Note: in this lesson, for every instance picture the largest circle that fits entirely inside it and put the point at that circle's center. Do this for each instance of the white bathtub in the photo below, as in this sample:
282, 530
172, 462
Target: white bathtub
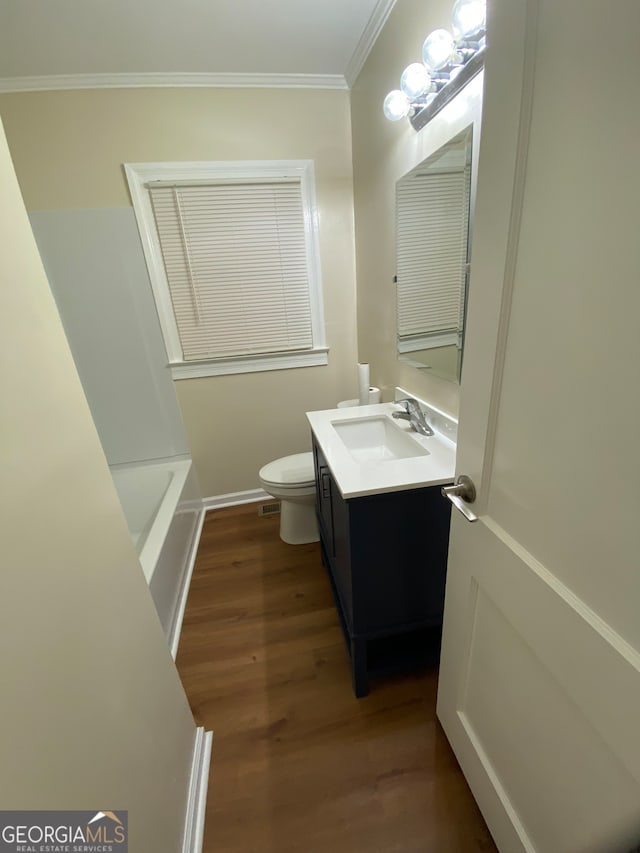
162, 504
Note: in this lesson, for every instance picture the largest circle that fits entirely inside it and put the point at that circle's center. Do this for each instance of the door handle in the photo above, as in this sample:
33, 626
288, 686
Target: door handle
461, 494
325, 491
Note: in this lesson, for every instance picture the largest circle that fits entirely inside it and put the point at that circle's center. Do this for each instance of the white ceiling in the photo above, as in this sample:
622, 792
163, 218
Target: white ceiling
40, 38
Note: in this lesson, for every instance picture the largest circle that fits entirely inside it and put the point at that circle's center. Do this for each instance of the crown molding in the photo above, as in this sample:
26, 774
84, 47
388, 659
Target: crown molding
368, 38
167, 80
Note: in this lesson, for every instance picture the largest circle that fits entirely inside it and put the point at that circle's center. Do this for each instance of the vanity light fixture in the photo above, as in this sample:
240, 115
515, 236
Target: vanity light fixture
449, 61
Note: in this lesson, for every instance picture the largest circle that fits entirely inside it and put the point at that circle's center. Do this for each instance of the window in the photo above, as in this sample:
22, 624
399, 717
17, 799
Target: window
232, 253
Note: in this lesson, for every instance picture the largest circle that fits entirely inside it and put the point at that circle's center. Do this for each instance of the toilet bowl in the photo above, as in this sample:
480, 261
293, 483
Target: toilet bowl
292, 481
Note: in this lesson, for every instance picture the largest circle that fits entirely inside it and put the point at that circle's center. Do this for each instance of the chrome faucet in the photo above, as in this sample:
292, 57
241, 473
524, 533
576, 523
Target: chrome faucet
414, 414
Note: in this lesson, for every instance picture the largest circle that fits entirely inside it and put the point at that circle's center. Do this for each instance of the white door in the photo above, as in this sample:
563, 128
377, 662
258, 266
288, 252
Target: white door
540, 674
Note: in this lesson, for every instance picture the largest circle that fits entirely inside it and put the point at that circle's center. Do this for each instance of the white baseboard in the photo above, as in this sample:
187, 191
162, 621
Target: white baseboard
235, 498
173, 637
197, 796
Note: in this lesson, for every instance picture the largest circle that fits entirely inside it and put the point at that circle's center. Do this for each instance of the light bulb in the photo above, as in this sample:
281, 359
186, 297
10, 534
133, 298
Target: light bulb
468, 17
438, 49
415, 80
396, 105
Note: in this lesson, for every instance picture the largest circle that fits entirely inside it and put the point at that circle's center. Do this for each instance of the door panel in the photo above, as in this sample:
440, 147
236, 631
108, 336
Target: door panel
497, 706
569, 395
540, 673
546, 696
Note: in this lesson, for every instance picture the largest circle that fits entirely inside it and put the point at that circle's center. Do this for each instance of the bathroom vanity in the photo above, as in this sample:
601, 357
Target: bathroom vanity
384, 533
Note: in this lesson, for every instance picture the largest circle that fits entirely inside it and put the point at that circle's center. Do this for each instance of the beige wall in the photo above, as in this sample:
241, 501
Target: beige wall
68, 149
93, 712
382, 152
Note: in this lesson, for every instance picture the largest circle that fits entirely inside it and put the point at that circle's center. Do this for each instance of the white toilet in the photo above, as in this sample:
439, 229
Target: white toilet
292, 481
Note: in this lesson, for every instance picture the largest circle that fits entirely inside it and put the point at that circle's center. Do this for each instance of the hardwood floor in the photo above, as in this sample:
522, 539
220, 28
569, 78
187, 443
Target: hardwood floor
298, 763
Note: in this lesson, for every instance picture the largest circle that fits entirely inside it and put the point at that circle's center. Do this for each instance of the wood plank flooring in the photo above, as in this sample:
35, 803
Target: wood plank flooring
299, 765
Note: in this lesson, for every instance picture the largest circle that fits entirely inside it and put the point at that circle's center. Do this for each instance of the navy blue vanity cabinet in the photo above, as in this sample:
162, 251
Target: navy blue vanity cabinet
386, 556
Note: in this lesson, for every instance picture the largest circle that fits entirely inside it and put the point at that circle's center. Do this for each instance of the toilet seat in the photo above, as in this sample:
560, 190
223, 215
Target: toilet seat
289, 472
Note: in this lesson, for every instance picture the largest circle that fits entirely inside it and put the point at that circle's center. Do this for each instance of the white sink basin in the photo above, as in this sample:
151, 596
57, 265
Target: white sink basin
370, 453
376, 439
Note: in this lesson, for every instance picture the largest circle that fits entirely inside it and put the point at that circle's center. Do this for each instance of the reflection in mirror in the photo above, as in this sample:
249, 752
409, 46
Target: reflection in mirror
432, 240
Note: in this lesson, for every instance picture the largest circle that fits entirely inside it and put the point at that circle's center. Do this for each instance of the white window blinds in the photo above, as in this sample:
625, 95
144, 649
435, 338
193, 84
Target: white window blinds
432, 226
235, 259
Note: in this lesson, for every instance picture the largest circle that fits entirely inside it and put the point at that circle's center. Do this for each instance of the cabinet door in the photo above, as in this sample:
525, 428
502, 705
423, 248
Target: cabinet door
341, 563
399, 542
324, 486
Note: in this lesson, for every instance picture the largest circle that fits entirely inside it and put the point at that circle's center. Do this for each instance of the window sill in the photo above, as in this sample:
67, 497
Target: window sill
249, 364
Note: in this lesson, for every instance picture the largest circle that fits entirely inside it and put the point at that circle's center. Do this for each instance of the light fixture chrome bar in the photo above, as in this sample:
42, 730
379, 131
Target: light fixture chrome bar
448, 92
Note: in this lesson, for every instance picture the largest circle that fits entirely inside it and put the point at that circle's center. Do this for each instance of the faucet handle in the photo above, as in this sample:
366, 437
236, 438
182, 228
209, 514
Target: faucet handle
406, 402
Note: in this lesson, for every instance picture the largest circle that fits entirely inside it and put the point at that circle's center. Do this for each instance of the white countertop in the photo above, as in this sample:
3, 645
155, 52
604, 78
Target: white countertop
356, 479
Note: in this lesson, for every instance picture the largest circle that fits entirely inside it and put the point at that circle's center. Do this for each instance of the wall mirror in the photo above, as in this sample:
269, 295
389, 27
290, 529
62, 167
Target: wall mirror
432, 258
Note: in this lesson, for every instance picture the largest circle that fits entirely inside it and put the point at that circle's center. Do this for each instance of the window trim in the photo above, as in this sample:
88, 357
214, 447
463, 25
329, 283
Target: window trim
139, 174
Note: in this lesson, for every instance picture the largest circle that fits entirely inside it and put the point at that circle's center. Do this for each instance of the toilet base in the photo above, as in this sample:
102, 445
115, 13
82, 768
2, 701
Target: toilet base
298, 523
